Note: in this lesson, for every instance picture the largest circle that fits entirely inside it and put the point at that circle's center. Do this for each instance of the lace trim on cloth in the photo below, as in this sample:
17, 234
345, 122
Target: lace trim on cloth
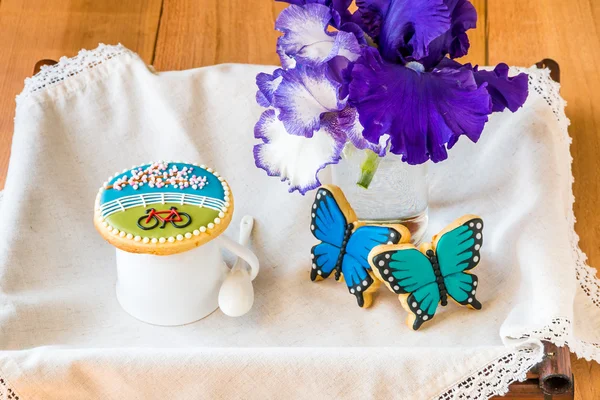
50, 75
494, 378
6, 392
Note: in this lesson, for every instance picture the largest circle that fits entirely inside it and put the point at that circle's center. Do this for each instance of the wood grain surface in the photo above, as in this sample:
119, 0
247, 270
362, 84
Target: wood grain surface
182, 34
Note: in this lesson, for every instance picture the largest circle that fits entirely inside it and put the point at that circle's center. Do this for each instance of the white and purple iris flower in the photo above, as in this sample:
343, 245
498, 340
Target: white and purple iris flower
381, 78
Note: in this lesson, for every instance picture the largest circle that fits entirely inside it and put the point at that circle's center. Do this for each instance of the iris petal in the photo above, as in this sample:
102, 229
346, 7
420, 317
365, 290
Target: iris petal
295, 159
287, 62
304, 95
346, 124
422, 112
507, 92
370, 15
339, 8
306, 39
454, 41
409, 26
267, 84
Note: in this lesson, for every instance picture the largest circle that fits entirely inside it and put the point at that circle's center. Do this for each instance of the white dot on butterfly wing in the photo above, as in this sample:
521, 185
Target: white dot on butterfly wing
425, 317
352, 291
391, 279
381, 263
470, 300
359, 288
314, 206
319, 272
419, 312
414, 304
476, 258
471, 224
478, 236
314, 266
312, 227
392, 234
386, 271
387, 256
477, 246
479, 226
396, 287
312, 256
390, 242
318, 195
475, 283
313, 215
365, 283
472, 292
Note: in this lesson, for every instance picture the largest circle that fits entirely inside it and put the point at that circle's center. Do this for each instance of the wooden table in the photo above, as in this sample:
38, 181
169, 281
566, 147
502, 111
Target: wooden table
182, 34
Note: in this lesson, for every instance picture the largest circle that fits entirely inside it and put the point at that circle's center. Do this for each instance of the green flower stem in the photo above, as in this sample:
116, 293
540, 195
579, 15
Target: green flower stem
368, 169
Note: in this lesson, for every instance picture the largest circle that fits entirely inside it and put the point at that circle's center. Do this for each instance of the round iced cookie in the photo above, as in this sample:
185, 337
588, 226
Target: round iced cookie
163, 208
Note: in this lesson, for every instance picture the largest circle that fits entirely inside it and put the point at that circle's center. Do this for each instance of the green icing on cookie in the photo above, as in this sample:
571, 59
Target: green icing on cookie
127, 221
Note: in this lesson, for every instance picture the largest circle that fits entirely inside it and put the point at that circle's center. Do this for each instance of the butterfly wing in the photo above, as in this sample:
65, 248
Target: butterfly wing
328, 222
458, 250
402, 268
324, 257
458, 246
359, 281
409, 273
356, 264
462, 287
367, 237
421, 304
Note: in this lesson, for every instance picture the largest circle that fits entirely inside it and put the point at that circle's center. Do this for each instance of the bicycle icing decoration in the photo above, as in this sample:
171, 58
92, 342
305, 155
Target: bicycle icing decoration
153, 218
430, 275
189, 202
346, 243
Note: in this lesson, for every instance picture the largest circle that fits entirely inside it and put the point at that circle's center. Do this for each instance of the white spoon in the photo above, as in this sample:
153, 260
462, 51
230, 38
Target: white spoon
236, 295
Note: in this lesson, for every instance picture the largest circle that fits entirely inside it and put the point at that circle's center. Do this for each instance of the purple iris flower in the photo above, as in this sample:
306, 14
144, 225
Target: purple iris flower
408, 89
381, 78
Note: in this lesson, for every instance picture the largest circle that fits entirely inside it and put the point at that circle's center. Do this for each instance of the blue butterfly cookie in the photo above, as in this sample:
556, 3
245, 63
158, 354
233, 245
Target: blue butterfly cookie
423, 278
346, 243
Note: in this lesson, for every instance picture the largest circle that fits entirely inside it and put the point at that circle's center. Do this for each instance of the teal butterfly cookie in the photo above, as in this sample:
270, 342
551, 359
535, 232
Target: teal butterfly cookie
425, 277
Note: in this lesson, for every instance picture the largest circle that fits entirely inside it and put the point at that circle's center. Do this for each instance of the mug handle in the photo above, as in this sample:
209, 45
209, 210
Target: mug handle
241, 250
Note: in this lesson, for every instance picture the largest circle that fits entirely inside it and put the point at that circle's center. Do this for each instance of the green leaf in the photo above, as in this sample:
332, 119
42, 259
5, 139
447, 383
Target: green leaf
368, 169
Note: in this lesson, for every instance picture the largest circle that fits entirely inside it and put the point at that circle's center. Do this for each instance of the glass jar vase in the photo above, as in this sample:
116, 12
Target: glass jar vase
398, 192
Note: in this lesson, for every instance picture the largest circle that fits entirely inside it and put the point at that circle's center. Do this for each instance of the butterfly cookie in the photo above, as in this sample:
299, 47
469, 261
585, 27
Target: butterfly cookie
346, 243
425, 277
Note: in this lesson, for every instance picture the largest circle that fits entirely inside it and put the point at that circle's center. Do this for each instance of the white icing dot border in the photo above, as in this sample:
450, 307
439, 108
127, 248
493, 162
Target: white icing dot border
192, 234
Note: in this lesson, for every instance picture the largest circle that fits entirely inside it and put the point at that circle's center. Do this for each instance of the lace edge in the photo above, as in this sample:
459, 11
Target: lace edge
6, 390
495, 378
51, 75
585, 274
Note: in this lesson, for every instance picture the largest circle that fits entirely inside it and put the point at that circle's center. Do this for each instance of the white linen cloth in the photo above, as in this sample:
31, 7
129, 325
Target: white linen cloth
64, 336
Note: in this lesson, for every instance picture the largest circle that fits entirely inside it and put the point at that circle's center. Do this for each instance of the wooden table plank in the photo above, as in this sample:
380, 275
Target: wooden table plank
194, 34
31, 30
197, 33
478, 37
521, 32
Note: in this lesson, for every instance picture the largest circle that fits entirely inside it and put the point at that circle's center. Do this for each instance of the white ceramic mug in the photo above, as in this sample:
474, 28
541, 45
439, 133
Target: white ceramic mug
179, 288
